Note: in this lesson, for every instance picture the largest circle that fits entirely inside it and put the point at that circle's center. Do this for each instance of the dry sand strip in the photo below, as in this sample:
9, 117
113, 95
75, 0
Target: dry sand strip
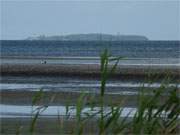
45, 126
88, 70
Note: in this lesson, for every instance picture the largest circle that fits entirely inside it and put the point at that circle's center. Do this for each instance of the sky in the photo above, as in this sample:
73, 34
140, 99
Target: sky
155, 19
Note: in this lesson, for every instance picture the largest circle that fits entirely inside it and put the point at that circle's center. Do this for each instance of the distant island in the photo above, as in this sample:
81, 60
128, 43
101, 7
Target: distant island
91, 37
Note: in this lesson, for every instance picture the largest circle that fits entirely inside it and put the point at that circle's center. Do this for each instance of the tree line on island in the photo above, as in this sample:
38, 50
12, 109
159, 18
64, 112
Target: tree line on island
91, 37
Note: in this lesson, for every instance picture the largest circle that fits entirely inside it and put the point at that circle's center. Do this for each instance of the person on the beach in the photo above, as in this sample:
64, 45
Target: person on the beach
43, 62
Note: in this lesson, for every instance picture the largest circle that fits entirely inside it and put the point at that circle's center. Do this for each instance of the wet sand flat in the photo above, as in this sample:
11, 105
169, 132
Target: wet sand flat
64, 98
88, 70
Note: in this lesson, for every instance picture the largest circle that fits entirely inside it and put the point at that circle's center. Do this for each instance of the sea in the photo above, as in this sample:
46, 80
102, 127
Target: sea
129, 49
82, 52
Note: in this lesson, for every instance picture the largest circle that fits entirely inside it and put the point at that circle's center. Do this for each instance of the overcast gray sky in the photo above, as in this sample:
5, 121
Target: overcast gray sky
156, 19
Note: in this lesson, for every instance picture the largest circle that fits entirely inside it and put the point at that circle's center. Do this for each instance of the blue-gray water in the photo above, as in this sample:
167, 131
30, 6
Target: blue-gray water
130, 49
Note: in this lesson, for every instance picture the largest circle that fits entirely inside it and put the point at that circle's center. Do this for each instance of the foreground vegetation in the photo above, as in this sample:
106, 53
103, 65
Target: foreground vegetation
153, 115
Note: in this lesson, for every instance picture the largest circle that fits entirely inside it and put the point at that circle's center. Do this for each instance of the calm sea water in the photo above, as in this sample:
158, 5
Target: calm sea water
131, 49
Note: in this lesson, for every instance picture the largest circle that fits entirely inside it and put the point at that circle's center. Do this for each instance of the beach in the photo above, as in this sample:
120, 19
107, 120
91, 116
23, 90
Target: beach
23, 77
